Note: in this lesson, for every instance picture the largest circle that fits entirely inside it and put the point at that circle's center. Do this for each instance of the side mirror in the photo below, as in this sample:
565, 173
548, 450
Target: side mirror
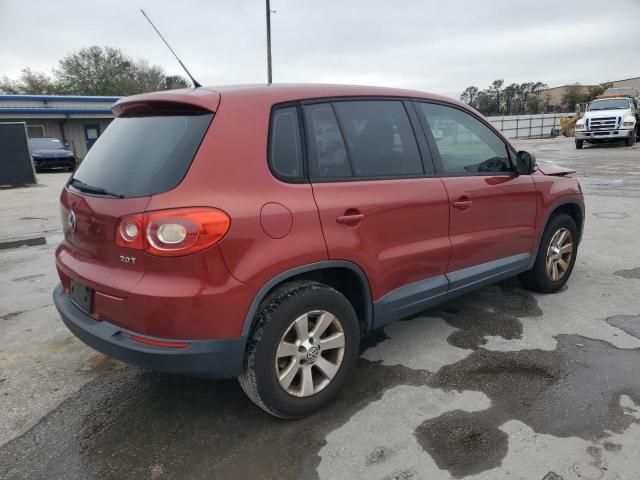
525, 163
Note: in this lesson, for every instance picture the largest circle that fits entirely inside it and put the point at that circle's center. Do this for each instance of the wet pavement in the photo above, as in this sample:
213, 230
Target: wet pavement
498, 384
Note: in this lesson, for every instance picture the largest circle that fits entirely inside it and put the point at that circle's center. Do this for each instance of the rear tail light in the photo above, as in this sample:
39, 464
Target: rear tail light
172, 232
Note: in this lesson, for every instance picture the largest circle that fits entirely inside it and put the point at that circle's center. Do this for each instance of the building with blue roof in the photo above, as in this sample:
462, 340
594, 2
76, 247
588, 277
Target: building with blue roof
74, 120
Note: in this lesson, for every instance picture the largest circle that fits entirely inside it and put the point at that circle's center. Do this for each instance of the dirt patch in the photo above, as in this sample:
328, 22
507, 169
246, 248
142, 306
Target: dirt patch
379, 455
373, 339
627, 323
633, 273
206, 428
573, 391
28, 278
463, 443
492, 311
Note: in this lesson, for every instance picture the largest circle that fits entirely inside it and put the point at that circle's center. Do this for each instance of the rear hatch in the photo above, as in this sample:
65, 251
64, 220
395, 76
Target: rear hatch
144, 152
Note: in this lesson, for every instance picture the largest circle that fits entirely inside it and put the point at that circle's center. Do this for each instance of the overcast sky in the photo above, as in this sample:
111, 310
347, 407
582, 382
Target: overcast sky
433, 45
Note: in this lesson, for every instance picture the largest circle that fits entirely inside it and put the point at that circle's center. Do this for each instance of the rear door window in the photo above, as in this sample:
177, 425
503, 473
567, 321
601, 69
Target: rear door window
361, 139
327, 152
141, 156
380, 139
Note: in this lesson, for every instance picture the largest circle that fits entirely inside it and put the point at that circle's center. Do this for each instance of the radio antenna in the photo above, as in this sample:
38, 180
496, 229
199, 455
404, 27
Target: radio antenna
195, 82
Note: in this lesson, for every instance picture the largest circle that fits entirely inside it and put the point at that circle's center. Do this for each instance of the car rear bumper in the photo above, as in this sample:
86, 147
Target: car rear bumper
604, 135
221, 358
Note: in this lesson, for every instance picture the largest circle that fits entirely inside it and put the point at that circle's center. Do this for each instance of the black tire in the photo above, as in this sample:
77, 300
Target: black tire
630, 141
259, 379
537, 278
579, 144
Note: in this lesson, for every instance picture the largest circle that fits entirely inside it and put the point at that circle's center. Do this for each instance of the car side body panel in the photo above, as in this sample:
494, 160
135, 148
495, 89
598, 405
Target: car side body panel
403, 235
499, 222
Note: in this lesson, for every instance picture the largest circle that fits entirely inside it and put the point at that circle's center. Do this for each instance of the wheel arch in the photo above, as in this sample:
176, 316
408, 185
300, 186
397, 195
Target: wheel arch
572, 207
346, 277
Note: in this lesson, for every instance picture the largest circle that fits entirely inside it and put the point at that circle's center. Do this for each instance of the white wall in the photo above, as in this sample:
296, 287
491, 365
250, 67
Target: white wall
528, 126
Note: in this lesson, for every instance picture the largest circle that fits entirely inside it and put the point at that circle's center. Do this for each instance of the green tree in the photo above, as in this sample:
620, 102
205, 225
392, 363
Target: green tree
172, 82
573, 96
515, 98
597, 91
495, 89
510, 95
470, 96
30, 82
95, 71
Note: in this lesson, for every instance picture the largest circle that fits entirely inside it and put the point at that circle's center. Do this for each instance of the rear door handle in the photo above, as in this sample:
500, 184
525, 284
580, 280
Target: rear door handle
350, 217
463, 203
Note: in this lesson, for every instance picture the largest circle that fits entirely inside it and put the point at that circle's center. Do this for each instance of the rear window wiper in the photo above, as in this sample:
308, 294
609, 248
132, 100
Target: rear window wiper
86, 188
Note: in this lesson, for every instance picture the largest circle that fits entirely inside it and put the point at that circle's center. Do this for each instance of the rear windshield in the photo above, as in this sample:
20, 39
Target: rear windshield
141, 156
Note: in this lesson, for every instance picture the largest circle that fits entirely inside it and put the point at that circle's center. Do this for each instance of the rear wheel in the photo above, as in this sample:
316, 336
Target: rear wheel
556, 256
302, 350
579, 144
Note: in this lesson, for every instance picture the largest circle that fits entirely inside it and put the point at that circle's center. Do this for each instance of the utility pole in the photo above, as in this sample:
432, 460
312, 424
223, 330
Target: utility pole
269, 77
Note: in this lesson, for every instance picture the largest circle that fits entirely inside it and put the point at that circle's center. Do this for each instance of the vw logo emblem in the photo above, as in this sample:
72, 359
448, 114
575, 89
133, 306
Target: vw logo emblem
71, 221
312, 354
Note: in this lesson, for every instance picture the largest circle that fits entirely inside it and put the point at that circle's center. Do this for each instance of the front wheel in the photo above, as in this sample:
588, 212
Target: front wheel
579, 144
302, 350
556, 256
630, 141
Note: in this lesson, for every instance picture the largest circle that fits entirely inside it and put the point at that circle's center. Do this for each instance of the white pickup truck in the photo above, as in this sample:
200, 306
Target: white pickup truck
613, 116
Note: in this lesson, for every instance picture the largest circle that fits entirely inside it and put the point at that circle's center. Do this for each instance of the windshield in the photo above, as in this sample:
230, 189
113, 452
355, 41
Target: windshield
45, 144
611, 104
141, 156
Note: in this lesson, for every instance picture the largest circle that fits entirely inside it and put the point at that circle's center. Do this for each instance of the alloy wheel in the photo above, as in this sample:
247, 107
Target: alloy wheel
559, 254
310, 353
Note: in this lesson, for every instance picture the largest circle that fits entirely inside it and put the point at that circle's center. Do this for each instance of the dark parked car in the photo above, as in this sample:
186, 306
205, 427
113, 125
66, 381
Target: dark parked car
260, 232
50, 153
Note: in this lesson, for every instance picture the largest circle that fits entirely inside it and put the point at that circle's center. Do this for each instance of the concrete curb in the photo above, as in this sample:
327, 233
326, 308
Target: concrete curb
22, 242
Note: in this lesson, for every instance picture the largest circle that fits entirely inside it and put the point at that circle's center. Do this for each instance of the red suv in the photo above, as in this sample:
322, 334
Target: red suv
260, 232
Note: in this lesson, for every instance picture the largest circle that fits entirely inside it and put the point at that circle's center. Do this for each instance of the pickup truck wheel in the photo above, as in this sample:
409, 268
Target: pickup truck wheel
556, 256
302, 350
579, 144
630, 141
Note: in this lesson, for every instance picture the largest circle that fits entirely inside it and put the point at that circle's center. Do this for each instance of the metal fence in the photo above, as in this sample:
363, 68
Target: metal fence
529, 126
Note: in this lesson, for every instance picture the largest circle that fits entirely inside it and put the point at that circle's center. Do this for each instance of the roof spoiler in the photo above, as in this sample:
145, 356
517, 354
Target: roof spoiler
176, 102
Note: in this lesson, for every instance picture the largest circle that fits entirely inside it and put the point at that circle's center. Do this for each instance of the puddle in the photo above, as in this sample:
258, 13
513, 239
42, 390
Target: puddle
632, 273
628, 323
464, 443
491, 311
161, 423
573, 391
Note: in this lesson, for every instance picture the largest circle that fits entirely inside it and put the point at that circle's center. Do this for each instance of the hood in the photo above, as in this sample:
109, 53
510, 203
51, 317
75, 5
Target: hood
607, 113
57, 153
549, 168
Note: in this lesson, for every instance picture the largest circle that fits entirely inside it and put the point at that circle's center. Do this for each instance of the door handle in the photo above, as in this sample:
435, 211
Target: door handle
463, 203
350, 217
